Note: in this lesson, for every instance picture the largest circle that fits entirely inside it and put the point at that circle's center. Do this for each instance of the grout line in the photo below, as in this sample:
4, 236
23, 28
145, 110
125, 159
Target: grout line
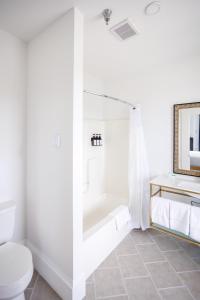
172, 287
146, 244
163, 258
185, 286
122, 277
188, 271
148, 272
181, 280
120, 270
108, 268
170, 251
115, 296
131, 254
136, 277
154, 262
143, 244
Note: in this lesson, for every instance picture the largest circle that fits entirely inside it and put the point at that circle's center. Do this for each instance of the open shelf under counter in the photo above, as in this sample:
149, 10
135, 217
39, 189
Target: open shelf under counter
177, 185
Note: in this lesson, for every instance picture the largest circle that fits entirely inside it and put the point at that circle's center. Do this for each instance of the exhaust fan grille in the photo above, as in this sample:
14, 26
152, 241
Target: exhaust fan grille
124, 30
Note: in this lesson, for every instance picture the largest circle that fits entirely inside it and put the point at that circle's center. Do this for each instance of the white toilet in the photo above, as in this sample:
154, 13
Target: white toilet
16, 266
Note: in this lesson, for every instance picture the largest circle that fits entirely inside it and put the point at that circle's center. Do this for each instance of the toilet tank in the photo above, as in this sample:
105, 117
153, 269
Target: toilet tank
7, 221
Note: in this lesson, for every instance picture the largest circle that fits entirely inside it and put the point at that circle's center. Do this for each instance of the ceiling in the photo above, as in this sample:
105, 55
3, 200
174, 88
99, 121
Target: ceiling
169, 36
26, 18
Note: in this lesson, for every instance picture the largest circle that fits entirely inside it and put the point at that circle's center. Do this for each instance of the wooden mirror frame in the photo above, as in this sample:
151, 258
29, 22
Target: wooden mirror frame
176, 168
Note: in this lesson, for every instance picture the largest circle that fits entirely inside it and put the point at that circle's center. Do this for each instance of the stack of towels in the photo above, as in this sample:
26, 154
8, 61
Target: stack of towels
178, 216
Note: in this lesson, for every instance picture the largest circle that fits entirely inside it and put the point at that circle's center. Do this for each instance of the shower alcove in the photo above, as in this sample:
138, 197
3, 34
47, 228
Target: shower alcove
105, 177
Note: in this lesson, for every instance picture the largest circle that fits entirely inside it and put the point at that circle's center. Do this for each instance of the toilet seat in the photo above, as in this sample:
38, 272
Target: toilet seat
16, 269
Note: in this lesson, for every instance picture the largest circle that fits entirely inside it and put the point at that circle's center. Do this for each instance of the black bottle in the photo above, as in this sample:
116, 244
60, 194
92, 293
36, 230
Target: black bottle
92, 140
100, 140
95, 140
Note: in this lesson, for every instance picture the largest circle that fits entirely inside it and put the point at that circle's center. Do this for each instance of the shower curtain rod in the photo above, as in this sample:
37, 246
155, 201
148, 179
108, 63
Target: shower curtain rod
110, 97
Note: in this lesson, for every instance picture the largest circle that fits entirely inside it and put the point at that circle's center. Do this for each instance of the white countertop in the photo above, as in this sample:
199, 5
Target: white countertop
177, 182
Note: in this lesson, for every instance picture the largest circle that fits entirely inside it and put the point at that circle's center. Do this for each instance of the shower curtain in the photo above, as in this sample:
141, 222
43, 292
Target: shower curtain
139, 197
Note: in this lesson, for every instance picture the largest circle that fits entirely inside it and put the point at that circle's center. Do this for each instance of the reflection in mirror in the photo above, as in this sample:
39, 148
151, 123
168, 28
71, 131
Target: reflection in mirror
195, 141
187, 139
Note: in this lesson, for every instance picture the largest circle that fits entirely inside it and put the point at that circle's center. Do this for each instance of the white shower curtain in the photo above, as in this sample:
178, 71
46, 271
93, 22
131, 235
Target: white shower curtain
138, 173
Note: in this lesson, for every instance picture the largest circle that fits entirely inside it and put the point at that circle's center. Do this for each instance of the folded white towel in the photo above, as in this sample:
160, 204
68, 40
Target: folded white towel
160, 211
179, 216
121, 215
195, 223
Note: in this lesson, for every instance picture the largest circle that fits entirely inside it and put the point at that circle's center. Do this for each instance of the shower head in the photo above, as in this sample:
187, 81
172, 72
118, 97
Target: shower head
107, 14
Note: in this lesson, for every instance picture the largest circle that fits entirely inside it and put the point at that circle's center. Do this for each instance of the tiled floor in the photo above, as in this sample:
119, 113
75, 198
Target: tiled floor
148, 266
38, 289
145, 266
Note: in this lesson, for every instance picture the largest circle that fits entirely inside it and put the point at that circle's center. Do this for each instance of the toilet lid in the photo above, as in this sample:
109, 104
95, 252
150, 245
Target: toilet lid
15, 264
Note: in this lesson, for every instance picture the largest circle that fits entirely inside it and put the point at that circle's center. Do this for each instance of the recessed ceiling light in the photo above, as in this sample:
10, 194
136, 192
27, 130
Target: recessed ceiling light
152, 8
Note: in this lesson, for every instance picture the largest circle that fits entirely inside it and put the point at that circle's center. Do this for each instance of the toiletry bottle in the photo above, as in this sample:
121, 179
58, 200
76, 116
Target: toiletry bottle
92, 140
95, 139
100, 140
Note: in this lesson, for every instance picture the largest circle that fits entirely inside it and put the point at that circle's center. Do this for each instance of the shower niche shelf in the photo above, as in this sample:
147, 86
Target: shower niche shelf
96, 140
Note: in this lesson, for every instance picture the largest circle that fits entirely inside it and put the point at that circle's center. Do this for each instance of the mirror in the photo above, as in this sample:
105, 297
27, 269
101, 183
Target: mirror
187, 139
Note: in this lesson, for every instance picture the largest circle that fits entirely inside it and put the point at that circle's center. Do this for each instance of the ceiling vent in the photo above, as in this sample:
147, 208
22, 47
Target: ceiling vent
124, 30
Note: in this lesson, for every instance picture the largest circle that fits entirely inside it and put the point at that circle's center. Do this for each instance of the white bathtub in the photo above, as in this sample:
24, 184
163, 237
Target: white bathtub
101, 236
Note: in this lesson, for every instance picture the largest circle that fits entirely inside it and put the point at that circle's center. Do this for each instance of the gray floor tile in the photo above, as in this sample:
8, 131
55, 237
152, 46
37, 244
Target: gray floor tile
141, 289
108, 282
141, 237
90, 294
132, 266
191, 249
153, 246
163, 275
28, 293
109, 262
115, 298
43, 291
150, 253
181, 261
127, 246
33, 280
192, 281
197, 260
153, 232
166, 243
178, 293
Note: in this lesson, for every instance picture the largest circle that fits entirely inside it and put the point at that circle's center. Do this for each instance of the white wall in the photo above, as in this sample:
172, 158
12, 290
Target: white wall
12, 126
93, 166
105, 169
117, 150
54, 108
93, 157
157, 90
93, 105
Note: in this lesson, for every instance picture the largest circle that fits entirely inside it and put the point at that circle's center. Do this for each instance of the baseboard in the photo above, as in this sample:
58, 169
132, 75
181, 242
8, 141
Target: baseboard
55, 278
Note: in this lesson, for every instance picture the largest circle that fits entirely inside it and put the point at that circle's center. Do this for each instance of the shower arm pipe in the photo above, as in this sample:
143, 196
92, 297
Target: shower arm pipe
110, 97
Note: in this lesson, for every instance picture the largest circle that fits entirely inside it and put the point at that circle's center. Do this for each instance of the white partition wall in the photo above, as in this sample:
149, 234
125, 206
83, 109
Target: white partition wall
12, 126
54, 154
